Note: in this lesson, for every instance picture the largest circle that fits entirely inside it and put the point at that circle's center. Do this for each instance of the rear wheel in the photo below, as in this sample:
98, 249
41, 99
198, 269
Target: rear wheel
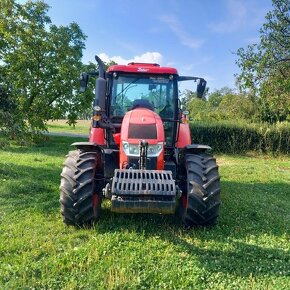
200, 202
81, 187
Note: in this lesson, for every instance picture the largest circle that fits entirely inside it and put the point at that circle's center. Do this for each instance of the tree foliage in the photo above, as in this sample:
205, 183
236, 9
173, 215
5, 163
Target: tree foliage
265, 67
40, 63
223, 104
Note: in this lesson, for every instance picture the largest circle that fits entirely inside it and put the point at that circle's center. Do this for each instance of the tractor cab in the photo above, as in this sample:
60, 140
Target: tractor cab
129, 90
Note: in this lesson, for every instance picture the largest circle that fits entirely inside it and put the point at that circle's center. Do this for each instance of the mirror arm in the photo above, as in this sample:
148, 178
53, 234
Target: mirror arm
186, 78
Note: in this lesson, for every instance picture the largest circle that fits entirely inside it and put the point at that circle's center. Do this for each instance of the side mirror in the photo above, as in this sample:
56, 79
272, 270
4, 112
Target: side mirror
84, 78
201, 84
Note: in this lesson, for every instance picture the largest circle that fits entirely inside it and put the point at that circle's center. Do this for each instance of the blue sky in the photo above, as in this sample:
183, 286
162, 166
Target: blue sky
197, 37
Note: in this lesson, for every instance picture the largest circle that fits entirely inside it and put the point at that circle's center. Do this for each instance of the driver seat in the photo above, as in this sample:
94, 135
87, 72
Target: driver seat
142, 103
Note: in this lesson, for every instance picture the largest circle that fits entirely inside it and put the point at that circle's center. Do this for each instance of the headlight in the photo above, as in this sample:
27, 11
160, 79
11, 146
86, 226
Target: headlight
133, 149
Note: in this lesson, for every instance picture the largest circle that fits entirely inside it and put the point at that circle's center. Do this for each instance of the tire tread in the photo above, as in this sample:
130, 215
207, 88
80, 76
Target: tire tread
203, 190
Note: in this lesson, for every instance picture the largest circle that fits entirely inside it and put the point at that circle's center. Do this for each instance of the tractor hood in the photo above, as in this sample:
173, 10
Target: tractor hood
142, 124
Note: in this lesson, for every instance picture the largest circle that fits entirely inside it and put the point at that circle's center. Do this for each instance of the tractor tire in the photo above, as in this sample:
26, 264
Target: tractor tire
81, 188
199, 204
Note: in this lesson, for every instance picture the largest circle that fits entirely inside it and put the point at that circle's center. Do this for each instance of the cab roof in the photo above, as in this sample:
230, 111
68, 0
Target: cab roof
148, 68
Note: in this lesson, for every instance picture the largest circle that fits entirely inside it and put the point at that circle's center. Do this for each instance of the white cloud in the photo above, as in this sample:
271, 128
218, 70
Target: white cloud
147, 57
176, 28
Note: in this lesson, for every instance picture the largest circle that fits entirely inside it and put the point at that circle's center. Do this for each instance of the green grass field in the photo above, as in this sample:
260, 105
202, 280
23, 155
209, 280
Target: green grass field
247, 249
81, 127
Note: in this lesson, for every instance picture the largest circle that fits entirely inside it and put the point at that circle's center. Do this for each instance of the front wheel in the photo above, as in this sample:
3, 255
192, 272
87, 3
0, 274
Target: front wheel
199, 204
81, 187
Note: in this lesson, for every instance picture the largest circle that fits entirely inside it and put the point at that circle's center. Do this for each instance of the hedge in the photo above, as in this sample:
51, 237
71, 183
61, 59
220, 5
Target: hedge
240, 138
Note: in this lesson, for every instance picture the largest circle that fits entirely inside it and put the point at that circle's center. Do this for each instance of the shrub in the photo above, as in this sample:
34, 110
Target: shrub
227, 137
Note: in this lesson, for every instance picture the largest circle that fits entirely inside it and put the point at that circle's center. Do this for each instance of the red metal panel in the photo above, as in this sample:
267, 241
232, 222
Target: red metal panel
142, 68
184, 137
142, 116
97, 136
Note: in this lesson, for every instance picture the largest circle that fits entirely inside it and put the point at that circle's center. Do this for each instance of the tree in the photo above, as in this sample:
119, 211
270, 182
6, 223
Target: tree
188, 96
265, 67
223, 104
236, 107
198, 108
40, 62
216, 96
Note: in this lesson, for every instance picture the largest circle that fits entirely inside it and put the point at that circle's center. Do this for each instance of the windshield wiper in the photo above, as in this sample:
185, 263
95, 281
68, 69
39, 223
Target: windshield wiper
127, 87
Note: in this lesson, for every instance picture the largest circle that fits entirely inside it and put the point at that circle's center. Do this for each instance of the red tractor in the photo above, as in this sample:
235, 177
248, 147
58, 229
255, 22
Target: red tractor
139, 154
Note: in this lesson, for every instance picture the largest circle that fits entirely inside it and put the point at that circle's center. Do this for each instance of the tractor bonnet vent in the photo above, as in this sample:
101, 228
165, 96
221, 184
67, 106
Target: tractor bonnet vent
144, 64
147, 131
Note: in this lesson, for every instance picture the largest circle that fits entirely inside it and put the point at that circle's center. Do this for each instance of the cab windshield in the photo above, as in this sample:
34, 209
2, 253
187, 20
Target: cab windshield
153, 92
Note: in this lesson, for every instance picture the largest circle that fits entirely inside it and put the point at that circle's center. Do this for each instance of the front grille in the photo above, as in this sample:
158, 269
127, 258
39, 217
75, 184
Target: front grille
147, 131
143, 182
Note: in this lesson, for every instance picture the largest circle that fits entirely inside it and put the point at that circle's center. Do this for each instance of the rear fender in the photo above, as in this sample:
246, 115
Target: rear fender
87, 146
110, 157
195, 148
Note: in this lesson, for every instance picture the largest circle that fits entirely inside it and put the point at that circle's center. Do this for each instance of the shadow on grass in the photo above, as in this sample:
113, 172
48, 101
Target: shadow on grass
26, 187
247, 210
215, 251
241, 260
54, 146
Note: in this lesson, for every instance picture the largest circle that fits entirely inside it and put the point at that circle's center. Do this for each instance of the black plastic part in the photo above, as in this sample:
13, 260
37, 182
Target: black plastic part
143, 147
196, 148
111, 162
151, 162
101, 66
110, 157
87, 145
142, 103
201, 85
105, 123
144, 131
84, 78
101, 87
170, 165
200, 88
100, 93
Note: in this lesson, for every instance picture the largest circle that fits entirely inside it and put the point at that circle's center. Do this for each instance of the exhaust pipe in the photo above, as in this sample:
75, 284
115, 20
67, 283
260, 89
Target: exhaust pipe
100, 89
100, 119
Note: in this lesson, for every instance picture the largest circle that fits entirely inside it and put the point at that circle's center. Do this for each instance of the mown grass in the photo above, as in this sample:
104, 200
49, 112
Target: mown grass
81, 127
247, 249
